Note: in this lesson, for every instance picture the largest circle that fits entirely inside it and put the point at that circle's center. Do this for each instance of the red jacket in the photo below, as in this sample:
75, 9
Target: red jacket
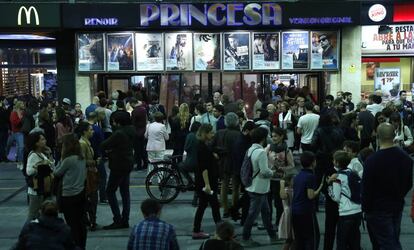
15, 121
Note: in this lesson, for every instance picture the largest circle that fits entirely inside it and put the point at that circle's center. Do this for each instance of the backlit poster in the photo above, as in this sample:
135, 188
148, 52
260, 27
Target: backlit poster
295, 46
236, 53
325, 50
150, 51
207, 51
178, 51
91, 52
265, 48
120, 52
388, 80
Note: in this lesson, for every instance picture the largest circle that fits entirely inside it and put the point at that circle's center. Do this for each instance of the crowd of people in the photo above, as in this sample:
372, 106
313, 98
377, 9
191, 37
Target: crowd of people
355, 162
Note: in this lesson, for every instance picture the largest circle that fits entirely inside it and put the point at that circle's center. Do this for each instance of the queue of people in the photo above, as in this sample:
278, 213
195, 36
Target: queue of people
340, 145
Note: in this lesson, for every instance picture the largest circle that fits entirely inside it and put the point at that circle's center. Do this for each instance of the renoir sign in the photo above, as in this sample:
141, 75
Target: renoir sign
29, 15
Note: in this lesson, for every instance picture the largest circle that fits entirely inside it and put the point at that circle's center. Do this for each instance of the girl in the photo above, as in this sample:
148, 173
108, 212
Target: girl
403, 136
285, 229
206, 180
72, 168
37, 158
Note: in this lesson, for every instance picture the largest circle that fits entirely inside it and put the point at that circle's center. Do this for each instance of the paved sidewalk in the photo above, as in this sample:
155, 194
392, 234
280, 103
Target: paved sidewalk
13, 208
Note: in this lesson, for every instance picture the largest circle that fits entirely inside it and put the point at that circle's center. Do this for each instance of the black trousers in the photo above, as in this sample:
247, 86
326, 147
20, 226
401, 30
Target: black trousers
274, 195
306, 147
348, 236
203, 201
306, 230
73, 208
331, 219
92, 204
140, 154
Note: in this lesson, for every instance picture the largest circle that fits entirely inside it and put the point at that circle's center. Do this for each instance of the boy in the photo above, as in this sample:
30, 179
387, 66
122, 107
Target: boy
305, 224
352, 147
348, 234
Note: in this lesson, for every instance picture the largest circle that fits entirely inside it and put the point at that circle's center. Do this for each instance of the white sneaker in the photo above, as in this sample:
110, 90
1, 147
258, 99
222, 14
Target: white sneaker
19, 166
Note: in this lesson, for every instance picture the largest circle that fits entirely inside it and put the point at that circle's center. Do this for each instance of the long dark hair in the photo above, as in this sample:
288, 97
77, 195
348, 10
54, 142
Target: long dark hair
71, 146
31, 141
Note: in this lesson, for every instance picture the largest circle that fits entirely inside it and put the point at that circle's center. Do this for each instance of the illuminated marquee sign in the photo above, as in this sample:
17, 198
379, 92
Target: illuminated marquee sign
101, 21
232, 14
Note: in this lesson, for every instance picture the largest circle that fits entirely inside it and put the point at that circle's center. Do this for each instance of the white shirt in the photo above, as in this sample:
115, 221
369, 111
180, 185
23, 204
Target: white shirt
375, 108
31, 168
260, 183
157, 134
356, 166
308, 124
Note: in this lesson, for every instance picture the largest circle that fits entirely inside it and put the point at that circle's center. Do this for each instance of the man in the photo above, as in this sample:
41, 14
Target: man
93, 106
218, 112
366, 124
139, 120
208, 117
120, 146
47, 232
106, 124
407, 111
328, 105
386, 181
152, 233
307, 124
66, 105
376, 106
217, 98
120, 110
347, 101
259, 189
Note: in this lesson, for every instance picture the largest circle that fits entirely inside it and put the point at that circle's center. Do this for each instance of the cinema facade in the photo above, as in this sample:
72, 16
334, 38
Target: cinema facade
180, 50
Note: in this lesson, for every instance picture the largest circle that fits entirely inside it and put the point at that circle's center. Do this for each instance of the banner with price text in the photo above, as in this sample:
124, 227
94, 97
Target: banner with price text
388, 80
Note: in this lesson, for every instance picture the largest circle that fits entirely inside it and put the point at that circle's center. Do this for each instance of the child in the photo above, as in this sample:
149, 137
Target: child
352, 147
285, 225
348, 234
305, 224
224, 239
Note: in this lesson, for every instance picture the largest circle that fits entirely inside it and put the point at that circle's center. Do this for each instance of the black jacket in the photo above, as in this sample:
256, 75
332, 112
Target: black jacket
223, 145
242, 144
45, 233
120, 146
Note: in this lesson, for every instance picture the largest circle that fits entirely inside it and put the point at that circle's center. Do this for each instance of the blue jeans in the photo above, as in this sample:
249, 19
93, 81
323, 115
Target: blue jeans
258, 204
120, 180
18, 137
384, 230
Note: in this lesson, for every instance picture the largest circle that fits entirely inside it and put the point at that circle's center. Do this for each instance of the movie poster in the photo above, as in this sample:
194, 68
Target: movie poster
295, 46
178, 51
120, 52
150, 51
388, 80
91, 52
207, 51
265, 51
236, 51
325, 50
388, 40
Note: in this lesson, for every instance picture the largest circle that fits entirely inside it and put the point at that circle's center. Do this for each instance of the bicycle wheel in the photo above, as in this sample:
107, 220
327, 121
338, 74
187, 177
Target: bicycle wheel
162, 184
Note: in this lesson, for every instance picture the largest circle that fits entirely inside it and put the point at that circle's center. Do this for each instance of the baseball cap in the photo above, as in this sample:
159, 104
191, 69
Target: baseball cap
66, 101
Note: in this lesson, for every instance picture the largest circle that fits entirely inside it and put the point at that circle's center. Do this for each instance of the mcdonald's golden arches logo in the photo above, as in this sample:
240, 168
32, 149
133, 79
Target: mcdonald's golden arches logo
28, 15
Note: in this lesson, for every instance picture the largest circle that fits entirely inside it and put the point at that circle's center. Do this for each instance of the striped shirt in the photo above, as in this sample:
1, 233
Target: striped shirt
153, 234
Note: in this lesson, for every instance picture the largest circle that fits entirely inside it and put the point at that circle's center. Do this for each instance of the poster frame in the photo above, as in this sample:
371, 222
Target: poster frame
252, 53
107, 34
165, 51
338, 50
281, 50
77, 51
220, 52
223, 50
162, 48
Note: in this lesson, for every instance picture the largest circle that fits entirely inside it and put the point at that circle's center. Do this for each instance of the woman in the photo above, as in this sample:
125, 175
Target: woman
85, 132
157, 134
45, 123
403, 136
281, 160
179, 128
286, 122
16, 123
63, 126
349, 126
72, 168
198, 110
38, 159
206, 181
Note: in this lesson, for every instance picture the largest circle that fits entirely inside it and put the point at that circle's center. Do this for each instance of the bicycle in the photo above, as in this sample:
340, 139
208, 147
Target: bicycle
165, 181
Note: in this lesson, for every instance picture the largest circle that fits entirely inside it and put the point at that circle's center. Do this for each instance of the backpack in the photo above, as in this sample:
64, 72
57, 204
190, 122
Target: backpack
246, 171
355, 185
